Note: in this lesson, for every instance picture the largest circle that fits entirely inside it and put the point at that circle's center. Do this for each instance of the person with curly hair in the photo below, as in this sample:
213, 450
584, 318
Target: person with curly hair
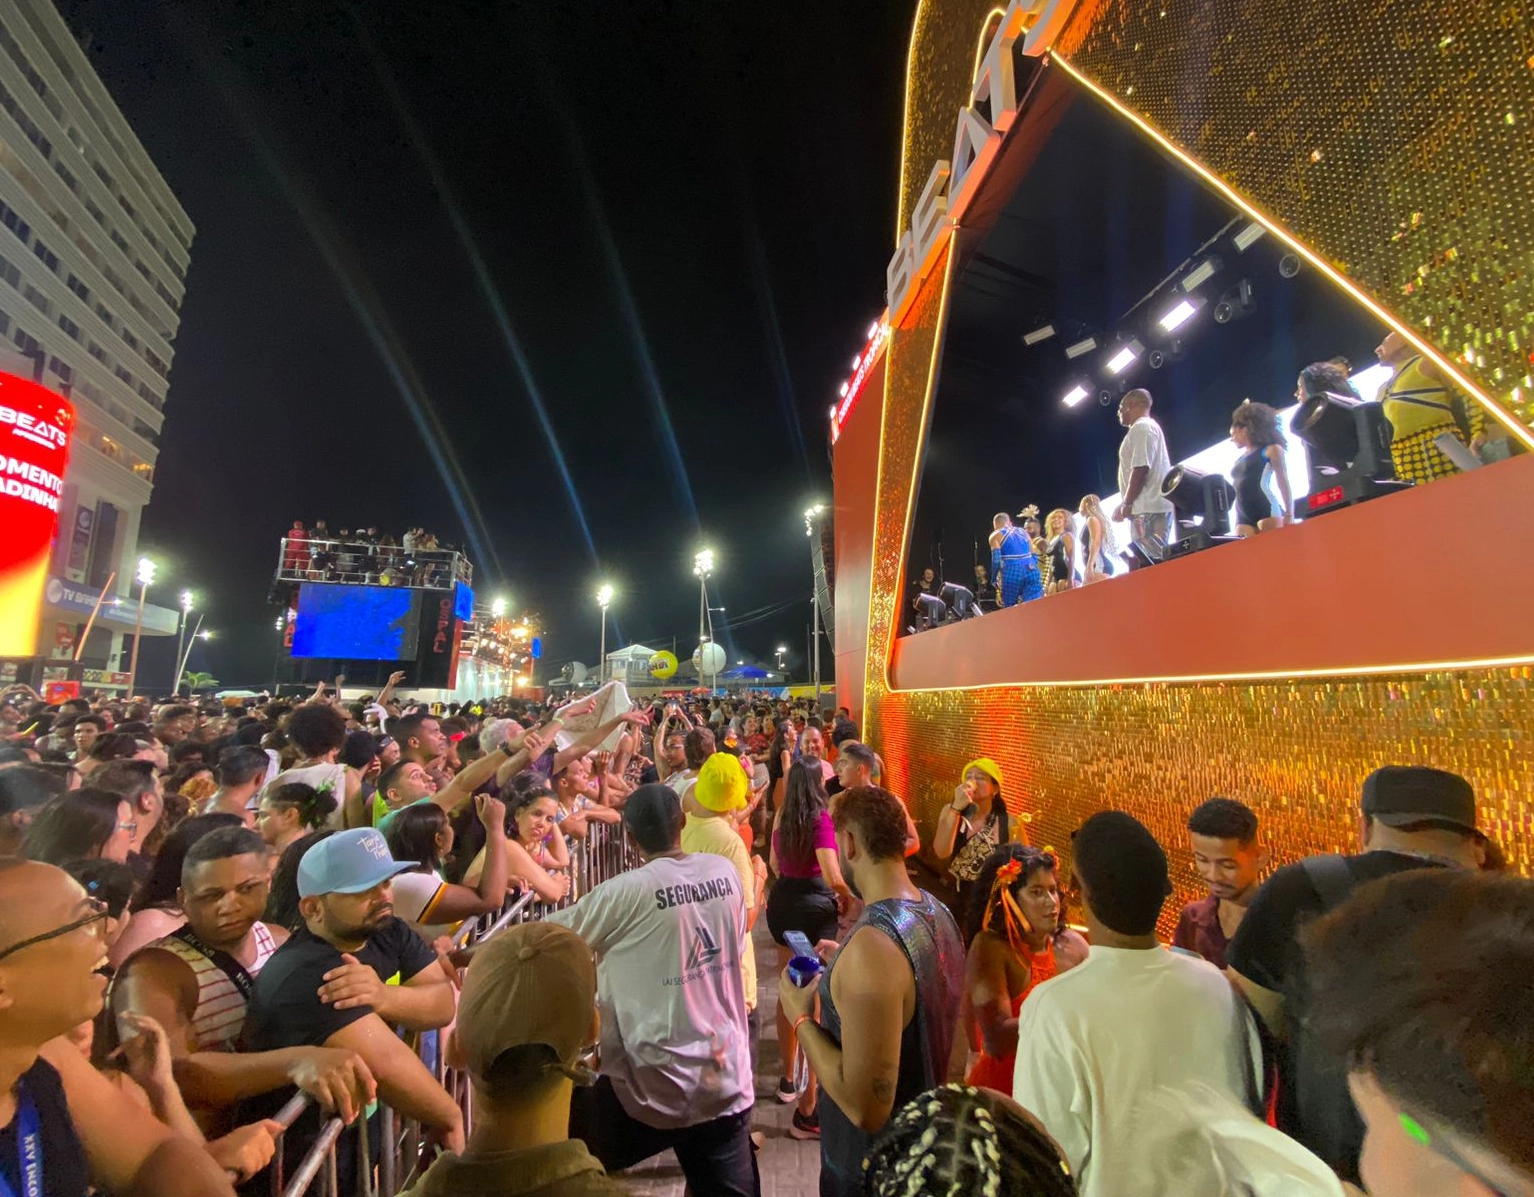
961, 1139
1018, 938
1264, 499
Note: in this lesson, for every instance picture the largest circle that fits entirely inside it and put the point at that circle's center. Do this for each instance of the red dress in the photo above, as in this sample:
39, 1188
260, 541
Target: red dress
993, 1072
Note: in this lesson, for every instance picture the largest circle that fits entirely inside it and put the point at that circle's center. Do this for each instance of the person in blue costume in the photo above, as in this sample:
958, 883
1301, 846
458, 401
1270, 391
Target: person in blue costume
1013, 563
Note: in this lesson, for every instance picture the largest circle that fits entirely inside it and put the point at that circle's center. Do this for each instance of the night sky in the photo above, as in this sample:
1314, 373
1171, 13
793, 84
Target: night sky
669, 221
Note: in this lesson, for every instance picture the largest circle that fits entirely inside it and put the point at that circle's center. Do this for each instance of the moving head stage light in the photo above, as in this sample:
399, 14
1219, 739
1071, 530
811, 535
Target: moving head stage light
1349, 444
1196, 495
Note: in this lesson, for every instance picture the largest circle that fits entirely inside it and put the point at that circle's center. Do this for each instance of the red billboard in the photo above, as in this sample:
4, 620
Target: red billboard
36, 427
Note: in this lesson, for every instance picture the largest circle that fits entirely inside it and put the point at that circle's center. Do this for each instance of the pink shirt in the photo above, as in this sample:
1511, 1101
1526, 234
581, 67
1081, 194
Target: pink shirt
824, 837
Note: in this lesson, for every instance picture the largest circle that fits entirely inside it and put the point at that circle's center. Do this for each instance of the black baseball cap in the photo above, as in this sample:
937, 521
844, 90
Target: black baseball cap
1400, 795
653, 815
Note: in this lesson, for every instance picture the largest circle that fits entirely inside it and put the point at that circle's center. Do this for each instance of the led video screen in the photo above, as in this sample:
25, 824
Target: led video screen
357, 623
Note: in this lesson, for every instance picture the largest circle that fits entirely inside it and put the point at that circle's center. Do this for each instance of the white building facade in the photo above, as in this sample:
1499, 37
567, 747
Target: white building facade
94, 251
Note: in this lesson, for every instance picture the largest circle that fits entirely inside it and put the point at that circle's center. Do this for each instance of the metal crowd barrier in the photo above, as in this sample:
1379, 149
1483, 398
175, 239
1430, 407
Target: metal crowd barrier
604, 853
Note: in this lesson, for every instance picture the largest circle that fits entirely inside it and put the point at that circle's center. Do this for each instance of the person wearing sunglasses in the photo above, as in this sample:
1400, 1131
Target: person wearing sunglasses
73, 1126
1419, 986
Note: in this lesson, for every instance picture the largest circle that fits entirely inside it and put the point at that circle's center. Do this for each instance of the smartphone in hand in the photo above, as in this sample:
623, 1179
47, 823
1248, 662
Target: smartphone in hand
799, 943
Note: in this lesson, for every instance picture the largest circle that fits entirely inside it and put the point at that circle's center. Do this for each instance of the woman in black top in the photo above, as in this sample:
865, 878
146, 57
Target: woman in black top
1062, 551
973, 826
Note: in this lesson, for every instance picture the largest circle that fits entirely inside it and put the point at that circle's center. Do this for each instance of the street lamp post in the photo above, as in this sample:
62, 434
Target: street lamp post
781, 652
145, 577
811, 515
604, 597
186, 610
702, 567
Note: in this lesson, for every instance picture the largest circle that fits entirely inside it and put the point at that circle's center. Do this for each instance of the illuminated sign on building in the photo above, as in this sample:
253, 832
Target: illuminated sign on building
35, 430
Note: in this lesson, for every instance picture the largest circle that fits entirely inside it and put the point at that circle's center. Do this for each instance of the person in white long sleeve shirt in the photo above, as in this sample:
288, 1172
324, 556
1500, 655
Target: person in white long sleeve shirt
1133, 1019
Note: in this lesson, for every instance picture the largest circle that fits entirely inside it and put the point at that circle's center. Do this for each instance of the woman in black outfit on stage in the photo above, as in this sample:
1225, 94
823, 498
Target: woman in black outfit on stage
1260, 475
1061, 548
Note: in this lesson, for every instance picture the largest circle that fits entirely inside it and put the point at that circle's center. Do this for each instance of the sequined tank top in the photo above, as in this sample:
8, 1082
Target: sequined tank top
930, 938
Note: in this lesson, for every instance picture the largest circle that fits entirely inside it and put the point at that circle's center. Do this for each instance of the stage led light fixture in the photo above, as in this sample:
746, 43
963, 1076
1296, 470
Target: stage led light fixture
1236, 303
1127, 355
1042, 333
1289, 265
1178, 315
1249, 236
1081, 348
1202, 273
1164, 355
1348, 441
1075, 395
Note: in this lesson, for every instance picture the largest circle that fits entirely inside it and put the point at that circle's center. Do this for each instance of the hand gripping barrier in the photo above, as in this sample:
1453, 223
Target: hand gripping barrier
603, 854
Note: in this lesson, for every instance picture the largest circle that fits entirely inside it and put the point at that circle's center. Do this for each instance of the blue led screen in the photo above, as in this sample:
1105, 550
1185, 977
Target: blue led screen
357, 623
463, 601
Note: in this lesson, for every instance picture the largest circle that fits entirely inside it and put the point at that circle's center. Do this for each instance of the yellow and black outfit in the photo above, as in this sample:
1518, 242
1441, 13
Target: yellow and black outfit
1420, 409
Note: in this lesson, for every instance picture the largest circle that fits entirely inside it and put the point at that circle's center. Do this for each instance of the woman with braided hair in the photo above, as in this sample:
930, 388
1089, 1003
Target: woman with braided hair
1018, 938
957, 1139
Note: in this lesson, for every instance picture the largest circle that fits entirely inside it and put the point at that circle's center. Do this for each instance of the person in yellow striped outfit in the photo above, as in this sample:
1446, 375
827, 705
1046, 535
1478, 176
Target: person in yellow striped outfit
1421, 406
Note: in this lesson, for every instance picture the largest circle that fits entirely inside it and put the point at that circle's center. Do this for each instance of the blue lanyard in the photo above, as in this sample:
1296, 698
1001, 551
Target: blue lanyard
29, 1148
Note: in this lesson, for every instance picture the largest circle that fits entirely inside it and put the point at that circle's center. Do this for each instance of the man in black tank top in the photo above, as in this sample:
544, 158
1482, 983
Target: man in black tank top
889, 1001
63, 1126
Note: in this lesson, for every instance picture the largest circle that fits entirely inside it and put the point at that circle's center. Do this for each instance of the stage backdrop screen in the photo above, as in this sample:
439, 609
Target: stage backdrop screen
357, 623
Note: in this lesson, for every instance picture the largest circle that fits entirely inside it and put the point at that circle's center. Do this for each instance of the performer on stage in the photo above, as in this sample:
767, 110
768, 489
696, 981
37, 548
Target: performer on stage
1421, 407
1261, 474
1013, 563
1101, 545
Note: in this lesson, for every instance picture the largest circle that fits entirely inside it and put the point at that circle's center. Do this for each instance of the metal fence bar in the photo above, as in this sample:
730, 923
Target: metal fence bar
321, 1154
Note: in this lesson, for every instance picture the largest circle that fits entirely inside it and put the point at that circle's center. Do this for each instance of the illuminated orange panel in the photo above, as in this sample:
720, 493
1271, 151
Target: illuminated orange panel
35, 429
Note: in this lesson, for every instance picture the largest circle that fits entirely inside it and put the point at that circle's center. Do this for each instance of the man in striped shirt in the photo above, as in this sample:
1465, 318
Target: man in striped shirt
196, 983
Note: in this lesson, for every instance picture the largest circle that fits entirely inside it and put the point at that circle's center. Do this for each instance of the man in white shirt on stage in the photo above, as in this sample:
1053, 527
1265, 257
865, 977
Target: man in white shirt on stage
1143, 465
675, 1048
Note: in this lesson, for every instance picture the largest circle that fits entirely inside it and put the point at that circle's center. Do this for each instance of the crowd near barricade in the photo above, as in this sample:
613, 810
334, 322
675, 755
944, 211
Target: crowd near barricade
602, 854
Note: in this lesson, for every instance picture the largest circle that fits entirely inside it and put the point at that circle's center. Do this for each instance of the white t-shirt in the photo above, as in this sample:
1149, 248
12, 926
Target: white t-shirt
1144, 445
415, 898
667, 938
1095, 1040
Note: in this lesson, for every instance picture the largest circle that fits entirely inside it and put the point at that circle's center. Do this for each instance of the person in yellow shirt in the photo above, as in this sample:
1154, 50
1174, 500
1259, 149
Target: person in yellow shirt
719, 792
1422, 406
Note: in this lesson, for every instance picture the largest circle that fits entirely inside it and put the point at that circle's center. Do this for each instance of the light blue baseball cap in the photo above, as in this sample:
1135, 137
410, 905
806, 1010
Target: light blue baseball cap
348, 862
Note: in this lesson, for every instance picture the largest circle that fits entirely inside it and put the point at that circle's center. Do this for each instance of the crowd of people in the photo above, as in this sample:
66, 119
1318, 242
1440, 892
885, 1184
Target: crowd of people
366, 556
202, 912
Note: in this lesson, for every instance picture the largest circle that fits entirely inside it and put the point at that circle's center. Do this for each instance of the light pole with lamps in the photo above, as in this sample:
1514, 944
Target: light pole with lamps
702, 567
604, 597
811, 515
145, 577
781, 651
186, 610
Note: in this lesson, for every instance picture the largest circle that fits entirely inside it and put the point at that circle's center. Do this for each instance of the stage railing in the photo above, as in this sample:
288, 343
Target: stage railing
604, 853
358, 563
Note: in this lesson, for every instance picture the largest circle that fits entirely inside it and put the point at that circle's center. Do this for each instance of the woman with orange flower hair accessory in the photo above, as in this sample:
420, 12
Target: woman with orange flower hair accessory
1018, 938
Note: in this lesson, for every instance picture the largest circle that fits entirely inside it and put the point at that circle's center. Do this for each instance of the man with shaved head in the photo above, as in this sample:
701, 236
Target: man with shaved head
72, 1127
1143, 466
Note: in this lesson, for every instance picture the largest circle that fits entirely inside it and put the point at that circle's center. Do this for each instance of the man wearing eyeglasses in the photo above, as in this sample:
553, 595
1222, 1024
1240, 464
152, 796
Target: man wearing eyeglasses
64, 1127
197, 981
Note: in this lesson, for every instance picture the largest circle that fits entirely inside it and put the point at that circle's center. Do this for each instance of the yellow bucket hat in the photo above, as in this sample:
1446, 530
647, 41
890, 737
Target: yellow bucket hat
987, 766
721, 784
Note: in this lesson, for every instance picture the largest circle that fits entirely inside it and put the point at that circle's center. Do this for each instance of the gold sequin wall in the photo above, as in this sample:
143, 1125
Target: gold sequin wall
1393, 137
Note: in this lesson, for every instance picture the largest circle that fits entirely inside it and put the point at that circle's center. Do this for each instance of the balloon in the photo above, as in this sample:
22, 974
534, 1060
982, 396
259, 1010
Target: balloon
708, 659
663, 665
